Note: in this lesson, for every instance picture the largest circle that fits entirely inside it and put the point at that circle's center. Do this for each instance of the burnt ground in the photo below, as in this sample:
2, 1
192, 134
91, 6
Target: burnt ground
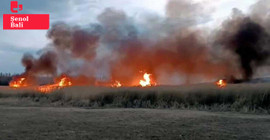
79, 123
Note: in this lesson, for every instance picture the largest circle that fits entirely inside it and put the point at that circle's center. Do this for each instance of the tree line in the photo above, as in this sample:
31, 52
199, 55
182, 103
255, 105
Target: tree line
5, 78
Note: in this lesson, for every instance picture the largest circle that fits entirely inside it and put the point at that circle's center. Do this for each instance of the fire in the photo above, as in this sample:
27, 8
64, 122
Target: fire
221, 83
63, 82
146, 81
18, 82
47, 88
116, 84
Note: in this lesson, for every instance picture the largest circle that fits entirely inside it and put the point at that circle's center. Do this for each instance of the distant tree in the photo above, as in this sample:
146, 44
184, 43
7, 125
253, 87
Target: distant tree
5, 78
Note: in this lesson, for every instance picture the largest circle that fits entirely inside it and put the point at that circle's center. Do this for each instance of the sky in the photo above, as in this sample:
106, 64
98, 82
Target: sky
13, 44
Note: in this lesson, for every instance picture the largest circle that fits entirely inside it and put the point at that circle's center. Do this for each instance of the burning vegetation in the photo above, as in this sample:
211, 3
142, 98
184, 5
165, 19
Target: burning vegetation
61, 82
147, 81
22, 81
114, 50
116, 84
66, 81
18, 82
221, 83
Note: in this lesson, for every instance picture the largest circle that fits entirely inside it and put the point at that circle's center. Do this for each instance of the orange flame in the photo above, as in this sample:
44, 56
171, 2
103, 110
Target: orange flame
116, 84
18, 82
47, 88
221, 83
64, 82
146, 81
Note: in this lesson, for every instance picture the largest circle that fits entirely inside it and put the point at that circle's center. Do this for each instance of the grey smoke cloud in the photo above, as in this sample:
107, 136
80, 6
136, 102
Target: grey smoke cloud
118, 47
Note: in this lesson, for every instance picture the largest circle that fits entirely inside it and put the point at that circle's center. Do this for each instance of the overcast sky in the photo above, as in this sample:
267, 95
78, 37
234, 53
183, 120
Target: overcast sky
13, 44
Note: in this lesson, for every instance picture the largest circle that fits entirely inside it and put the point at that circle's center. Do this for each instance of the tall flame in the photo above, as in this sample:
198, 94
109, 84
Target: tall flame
146, 81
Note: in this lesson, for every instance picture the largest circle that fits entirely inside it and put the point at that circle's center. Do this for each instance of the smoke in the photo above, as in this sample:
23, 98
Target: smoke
246, 36
171, 48
45, 64
249, 43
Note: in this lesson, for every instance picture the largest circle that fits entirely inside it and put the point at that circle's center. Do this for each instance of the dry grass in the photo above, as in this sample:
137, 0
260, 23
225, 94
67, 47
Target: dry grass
67, 123
240, 97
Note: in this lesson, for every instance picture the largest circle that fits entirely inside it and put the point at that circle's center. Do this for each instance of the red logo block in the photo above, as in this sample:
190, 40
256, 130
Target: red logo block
14, 6
26, 21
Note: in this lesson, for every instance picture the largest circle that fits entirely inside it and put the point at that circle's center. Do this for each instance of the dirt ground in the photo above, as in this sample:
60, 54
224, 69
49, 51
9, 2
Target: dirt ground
78, 123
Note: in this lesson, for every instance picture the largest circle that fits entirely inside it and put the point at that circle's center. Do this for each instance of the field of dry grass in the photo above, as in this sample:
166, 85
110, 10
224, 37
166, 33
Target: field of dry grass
236, 97
165, 112
25, 123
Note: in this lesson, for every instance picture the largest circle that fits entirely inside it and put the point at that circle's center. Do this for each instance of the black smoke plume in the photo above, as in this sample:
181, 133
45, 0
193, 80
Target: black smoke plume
249, 43
247, 37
